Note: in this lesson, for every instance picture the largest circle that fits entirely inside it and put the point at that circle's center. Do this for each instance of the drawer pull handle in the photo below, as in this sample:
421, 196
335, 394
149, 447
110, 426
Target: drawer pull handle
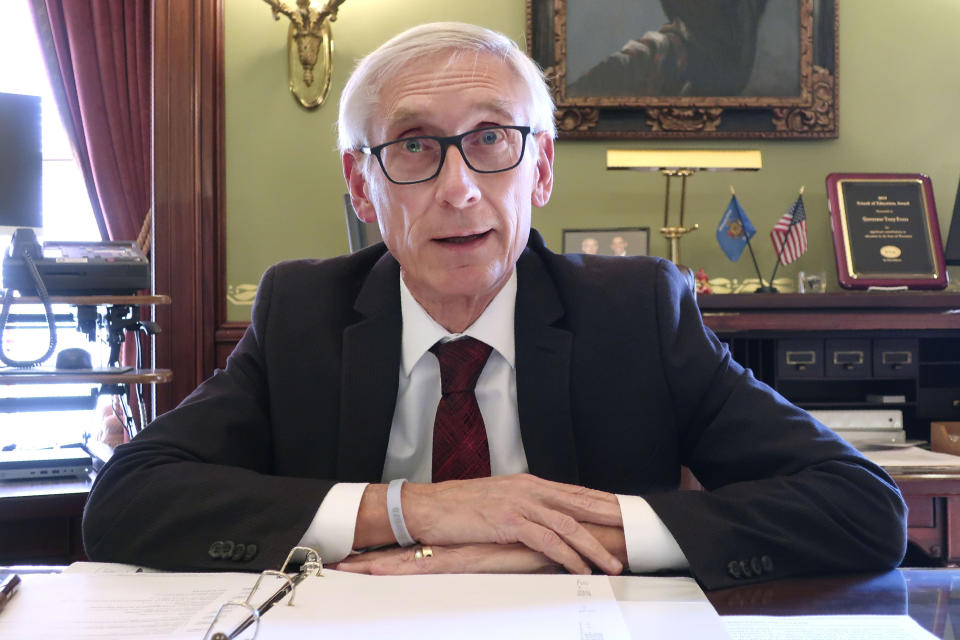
847, 358
896, 358
801, 358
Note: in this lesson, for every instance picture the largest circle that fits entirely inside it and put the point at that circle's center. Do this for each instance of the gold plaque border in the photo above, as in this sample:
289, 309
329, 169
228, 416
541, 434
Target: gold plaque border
923, 183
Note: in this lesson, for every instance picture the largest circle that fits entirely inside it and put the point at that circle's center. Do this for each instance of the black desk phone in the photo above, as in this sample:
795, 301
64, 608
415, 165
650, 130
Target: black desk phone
67, 269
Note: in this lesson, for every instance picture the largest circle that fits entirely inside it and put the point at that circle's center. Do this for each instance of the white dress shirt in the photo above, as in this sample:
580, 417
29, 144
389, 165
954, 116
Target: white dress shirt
650, 545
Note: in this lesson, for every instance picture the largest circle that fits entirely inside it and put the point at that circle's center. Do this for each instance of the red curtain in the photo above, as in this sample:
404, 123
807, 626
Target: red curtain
98, 54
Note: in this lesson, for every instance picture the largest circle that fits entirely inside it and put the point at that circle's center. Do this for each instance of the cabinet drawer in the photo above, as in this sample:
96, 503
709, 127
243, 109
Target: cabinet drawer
800, 358
938, 402
847, 358
895, 358
34, 540
921, 511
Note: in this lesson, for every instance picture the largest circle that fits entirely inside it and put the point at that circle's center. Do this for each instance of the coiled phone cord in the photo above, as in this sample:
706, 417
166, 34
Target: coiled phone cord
47, 310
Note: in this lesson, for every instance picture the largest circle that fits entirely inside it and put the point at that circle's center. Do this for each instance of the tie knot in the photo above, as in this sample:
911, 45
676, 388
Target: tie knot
461, 362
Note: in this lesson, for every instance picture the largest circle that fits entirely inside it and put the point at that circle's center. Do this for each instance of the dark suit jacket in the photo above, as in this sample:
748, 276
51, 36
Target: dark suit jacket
618, 384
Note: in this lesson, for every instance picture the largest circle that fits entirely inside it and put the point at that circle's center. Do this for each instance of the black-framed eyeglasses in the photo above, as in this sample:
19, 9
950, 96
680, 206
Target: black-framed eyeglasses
420, 158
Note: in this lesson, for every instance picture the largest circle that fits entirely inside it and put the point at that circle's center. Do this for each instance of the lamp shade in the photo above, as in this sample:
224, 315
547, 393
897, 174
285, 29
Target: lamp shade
690, 159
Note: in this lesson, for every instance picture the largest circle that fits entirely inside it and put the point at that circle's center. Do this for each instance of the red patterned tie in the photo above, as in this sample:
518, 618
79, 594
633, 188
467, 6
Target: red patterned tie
460, 448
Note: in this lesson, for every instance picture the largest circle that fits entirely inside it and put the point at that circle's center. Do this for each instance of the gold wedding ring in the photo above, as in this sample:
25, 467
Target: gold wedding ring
423, 552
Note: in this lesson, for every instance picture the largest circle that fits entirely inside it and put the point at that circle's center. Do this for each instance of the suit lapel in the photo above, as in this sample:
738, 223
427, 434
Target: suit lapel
369, 375
371, 365
543, 374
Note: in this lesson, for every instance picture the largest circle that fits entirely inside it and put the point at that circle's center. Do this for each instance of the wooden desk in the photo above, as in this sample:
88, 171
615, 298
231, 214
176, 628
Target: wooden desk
925, 324
40, 521
934, 517
808, 312
924, 328
929, 596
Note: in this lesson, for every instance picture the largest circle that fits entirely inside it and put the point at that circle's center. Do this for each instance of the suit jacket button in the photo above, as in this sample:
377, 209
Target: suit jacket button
227, 549
767, 563
238, 551
250, 553
216, 550
733, 568
746, 569
756, 565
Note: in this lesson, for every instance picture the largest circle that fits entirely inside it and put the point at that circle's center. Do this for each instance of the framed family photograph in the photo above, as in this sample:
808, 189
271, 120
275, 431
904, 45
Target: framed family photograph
668, 69
617, 241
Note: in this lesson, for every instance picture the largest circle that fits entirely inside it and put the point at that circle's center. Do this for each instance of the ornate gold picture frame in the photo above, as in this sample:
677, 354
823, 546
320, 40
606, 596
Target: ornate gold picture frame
689, 69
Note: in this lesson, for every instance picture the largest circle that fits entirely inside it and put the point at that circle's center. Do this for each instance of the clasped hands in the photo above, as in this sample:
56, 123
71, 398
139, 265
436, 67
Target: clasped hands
508, 524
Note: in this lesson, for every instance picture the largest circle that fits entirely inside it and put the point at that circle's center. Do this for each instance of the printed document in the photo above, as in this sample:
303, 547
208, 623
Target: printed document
95, 601
104, 606
855, 627
440, 607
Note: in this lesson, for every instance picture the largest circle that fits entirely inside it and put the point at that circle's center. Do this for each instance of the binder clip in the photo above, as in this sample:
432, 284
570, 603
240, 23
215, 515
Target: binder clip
235, 618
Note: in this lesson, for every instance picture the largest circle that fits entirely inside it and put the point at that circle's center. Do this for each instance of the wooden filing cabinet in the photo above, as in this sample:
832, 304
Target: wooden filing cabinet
839, 351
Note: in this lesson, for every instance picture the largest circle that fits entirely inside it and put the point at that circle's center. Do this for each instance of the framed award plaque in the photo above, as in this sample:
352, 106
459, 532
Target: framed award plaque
885, 231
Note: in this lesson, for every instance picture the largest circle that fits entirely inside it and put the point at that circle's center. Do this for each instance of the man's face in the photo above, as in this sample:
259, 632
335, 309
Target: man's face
618, 245
458, 236
590, 245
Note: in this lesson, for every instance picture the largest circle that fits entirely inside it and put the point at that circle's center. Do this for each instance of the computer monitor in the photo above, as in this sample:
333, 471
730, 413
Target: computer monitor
21, 163
952, 252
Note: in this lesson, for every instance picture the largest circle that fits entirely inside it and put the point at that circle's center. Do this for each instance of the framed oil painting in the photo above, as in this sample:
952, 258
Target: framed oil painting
689, 68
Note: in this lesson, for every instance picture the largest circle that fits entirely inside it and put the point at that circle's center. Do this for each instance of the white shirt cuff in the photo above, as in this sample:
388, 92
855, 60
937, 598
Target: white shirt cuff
650, 545
332, 529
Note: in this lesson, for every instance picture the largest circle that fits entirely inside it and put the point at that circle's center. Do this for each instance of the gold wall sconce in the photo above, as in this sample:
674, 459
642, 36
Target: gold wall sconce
681, 164
309, 48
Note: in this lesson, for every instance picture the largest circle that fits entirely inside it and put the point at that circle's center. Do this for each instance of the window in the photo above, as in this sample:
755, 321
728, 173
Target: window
67, 215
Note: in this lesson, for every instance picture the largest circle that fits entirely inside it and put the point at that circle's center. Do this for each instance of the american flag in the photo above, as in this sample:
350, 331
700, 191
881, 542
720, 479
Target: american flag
789, 235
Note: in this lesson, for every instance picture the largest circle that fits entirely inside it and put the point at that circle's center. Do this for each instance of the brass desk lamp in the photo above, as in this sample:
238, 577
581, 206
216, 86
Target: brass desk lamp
681, 164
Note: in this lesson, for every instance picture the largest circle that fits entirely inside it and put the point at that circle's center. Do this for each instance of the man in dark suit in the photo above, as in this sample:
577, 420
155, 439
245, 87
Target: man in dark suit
344, 421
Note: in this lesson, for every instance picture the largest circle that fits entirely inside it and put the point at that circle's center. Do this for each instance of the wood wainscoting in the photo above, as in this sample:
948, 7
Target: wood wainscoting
227, 337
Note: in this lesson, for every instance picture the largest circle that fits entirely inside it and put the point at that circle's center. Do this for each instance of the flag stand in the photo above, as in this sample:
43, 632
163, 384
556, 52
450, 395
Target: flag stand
753, 256
783, 244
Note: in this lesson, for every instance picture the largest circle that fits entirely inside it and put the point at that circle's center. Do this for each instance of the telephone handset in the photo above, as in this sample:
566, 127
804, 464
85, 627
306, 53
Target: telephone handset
26, 248
25, 243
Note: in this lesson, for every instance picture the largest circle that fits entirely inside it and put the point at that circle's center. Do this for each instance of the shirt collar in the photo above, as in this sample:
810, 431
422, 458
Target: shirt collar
494, 326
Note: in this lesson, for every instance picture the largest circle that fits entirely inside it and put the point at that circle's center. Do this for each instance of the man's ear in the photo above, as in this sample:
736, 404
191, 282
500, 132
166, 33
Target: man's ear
357, 186
543, 185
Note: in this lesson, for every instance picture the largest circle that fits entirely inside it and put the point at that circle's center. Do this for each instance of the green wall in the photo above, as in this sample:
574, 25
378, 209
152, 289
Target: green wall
899, 110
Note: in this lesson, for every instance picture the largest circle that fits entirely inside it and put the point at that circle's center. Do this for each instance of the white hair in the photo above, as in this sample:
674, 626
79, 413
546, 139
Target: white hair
362, 91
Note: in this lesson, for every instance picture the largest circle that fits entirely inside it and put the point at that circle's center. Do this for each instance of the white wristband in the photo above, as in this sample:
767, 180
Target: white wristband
395, 512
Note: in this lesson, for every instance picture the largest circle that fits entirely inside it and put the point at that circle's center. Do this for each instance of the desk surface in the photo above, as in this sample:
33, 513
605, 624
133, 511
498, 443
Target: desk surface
929, 596
849, 311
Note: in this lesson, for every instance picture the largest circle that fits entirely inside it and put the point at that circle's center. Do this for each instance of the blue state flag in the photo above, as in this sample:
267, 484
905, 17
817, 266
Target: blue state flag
734, 230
